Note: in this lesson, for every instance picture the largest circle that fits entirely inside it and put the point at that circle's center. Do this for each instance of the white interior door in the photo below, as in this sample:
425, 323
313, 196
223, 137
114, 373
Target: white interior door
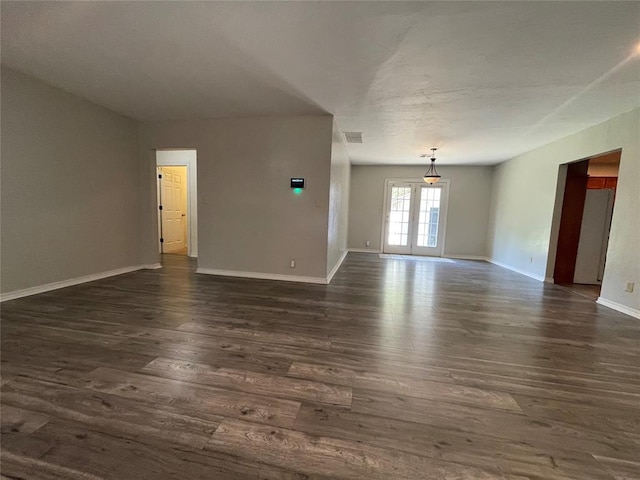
414, 219
594, 237
173, 187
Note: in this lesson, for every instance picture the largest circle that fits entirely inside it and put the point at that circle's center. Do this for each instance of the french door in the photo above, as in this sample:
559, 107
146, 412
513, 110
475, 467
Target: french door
415, 216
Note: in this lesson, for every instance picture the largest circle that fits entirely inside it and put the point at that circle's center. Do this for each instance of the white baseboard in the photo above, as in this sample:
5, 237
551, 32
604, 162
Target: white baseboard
540, 278
152, 266
415, 258
69, 283
619, 307
337, 266
452, 256
466, 257
261, 276
548, 280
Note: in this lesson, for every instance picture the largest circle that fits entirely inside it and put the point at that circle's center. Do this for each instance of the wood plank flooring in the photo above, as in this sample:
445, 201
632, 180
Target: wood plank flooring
397, 370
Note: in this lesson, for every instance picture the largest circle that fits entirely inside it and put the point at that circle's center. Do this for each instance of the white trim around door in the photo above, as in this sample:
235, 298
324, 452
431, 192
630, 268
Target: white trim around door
188, 158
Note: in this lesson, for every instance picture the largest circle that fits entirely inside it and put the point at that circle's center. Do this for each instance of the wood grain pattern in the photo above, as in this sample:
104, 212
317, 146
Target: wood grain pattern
398, 369
253, 334
621, 469
111, 456
16, 420
259, 383
193, 398
18, 467
103, 411
309, 454
446, 443
546, 389
434, 390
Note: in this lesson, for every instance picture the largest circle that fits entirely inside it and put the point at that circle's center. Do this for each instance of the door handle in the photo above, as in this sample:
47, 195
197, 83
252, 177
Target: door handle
183, 214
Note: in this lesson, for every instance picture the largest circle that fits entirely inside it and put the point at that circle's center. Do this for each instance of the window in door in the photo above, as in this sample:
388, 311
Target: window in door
399, 212
429, 217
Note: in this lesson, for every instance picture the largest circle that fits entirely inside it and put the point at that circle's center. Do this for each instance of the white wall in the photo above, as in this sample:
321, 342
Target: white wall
338, 201
468, 210
69, 188
523, 204
249, 219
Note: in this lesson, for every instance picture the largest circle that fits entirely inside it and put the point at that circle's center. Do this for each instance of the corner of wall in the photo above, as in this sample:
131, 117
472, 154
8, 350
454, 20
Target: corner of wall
338, 218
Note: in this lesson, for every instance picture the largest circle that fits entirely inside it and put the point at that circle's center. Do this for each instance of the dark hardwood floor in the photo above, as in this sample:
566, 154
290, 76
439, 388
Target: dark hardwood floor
592, 292
397, 370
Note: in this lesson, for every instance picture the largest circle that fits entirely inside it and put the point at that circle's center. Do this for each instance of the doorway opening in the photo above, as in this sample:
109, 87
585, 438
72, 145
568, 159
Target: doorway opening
584, 221
177, 202
415, 217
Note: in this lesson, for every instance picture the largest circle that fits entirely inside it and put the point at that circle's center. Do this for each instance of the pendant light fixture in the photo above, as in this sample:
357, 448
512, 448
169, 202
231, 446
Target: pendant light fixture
431, 176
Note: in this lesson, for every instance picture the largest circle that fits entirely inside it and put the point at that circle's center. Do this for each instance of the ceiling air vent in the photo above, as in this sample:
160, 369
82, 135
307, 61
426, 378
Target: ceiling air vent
353, 137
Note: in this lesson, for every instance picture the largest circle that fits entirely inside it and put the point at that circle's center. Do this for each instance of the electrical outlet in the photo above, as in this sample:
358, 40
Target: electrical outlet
629, 287
367, 243
292, 264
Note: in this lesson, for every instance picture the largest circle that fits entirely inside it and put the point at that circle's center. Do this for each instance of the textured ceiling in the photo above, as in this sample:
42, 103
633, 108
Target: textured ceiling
482, 81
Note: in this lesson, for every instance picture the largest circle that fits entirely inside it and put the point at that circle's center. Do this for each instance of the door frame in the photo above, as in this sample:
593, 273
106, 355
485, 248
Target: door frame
164, 158
556, 221
446, 187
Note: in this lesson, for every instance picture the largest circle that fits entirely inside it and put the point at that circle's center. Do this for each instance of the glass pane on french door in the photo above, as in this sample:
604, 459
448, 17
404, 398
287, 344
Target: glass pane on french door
428, 239
429, 216
399, 211
398, 233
